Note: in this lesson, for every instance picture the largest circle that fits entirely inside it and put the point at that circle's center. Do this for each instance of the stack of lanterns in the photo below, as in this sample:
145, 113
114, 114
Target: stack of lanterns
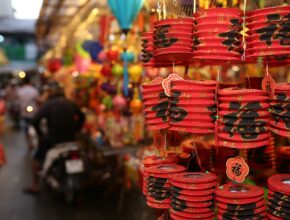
217, 33
158, 184
153, 161
156, 104
280, 110
173, 39
283, 163
268, 33
240, 202
279, 196
193, 196
193, 106
147, 51
243, 118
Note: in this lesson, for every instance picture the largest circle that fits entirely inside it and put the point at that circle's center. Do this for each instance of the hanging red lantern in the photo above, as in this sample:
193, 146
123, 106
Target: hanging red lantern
113, 55
106, 70
54, 65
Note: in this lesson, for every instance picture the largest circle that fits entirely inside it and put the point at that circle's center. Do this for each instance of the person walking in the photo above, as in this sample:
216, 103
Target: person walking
28, 97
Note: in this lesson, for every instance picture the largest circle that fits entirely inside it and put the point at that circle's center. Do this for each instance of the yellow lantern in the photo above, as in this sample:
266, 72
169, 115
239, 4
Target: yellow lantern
135, 73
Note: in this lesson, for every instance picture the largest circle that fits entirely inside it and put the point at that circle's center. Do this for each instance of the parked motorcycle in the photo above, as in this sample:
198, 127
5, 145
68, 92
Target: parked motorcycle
63, 170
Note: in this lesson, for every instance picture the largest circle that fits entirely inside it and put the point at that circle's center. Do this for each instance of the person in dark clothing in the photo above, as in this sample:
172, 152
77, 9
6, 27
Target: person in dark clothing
64, 120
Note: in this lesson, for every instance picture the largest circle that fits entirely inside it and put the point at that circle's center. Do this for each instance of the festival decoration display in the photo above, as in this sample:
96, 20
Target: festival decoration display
217, 33
193, 106
152, 161
158, 184
268, 32
279, 196
237, 169
135, 73
147, 51
192, 195
173, 40
243, 118
125, 12
155, 105
240, 202
280, 110
82, 57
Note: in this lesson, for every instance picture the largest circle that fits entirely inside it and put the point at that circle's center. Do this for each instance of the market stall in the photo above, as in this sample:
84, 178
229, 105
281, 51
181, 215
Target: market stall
206, 81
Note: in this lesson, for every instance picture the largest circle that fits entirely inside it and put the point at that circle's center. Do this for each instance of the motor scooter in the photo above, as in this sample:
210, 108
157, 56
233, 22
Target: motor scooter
63, 170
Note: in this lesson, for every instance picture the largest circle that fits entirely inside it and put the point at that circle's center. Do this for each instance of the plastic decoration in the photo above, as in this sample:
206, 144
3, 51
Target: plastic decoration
125, 12
243, 118
280, 110
237, 169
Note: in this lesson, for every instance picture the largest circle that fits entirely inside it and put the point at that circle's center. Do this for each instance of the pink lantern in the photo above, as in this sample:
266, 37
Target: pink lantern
119, 101
102, 57
82, 63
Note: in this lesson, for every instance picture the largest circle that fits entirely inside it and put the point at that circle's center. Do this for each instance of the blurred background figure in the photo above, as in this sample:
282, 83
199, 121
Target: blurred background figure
64, 120
28, 100
2, 111
12, 103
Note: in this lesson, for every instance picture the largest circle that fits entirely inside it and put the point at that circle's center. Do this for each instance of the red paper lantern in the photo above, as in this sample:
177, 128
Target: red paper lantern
54, 65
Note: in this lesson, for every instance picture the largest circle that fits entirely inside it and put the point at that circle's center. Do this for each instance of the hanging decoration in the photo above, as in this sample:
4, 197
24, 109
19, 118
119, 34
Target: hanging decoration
218, 36
243, 118
268, 32
278, 196
280, 110
125, 12
173, 40
237, 169
236, 201
158, 184
193, 106
82, 58
156, 104
192, 195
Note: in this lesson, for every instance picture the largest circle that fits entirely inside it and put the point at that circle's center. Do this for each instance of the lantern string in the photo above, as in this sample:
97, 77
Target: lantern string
216, 101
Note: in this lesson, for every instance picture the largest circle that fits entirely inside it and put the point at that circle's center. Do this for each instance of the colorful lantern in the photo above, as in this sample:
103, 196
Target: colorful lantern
82, 58
106, 70
119, 101
125, 12
54, 65
135, 73
112, 55
102, 56
117, 70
